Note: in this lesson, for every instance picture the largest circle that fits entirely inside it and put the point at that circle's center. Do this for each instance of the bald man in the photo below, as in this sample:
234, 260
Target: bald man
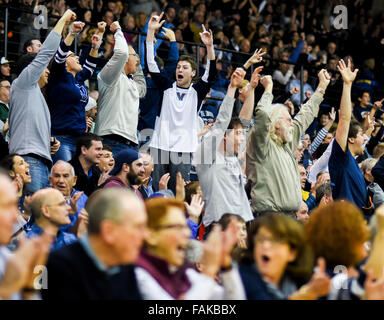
50, 210
98, 266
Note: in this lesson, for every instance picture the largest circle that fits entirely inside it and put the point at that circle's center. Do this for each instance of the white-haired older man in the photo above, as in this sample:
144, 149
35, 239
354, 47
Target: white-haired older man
271, 163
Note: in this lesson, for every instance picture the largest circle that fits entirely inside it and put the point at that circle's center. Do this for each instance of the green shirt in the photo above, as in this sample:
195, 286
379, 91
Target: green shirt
4, 111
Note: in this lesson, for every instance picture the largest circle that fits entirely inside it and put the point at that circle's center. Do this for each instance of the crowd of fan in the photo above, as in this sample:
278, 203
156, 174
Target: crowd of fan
123, 178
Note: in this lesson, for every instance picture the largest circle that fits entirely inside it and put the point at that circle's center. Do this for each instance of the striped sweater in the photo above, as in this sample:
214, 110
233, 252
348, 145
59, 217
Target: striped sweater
67, 95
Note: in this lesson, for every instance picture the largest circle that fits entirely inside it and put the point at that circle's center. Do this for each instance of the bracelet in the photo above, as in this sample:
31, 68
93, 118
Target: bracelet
321, 90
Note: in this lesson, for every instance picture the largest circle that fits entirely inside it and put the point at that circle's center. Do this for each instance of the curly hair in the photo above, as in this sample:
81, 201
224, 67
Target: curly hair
334, 232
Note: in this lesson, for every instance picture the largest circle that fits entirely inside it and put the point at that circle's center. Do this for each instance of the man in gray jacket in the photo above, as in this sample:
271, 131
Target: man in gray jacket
121, 85
270, 163
29, 118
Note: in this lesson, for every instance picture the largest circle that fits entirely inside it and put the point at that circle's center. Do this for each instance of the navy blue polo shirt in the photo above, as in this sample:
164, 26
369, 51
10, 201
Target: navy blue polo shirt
347, 177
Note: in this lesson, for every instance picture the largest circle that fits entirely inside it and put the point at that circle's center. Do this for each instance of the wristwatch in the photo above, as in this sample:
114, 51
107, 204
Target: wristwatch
321, 90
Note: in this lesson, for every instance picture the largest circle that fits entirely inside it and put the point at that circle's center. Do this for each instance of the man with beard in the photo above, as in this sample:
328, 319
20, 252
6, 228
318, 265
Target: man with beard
129, 167
271, 166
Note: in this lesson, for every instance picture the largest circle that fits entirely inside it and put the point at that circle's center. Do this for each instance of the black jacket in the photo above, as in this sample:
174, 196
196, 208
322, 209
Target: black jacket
83, 183
72, 275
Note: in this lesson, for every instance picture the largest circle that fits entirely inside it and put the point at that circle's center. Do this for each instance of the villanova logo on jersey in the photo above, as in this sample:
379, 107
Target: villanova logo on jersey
83, 92
180, 96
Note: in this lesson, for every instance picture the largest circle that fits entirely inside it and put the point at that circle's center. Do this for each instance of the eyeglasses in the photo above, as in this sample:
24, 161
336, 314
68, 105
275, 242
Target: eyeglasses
273, 241
178, 227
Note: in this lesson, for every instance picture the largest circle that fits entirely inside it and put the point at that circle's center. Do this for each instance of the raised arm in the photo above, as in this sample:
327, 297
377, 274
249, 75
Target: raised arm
346, 103
323, 132
31, 74
154, 24
111, 71
58, 64
204, 84
249, 102
310, 109
257, 57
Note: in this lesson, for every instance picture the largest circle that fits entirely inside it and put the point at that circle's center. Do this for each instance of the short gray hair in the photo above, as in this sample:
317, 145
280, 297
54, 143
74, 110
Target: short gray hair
105, 204
64, 162
194, 251
368, 164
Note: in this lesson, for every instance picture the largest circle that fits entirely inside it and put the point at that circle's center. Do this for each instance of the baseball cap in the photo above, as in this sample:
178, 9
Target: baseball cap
4, 60
91, 104
125, 156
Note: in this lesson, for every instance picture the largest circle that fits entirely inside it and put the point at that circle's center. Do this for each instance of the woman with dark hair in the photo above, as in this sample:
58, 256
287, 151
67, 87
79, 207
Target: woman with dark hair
280, 262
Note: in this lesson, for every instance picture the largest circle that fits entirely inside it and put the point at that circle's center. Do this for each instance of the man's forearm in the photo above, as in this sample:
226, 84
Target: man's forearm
249, 103
150, 35
211, 53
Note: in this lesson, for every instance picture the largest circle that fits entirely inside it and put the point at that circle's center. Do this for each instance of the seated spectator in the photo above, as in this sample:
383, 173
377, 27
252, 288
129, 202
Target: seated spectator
296, 98
127, 172
302, 214
98, 266
324, 194
50, 210
146, 188
89, 150
165, 250
63, 179
107, 161
338, 233
16, 269
283, 265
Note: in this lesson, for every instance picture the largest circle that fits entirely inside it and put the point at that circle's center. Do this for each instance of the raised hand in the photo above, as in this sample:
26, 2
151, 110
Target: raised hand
257, 56
346, 71
73, 202
77, 26
69, 15
324, 77
256, 77
163, 183
154, 22
180, 187
378, 104
101, 27
114, 26
195, 209
212, 252
332, 115
237, 77
320, 283
294, 90
206, 37
169, 34
266, 81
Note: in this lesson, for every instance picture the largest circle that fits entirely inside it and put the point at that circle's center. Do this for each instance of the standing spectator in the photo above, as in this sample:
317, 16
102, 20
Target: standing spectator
32, 46
5, 87
349, 141
175, 135
67, 93
296, 98
121, 84
29, 113
270, 151
89, 150
217, 163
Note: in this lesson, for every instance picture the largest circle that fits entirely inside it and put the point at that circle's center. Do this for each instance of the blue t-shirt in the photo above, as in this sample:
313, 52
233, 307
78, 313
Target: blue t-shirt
347, 177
